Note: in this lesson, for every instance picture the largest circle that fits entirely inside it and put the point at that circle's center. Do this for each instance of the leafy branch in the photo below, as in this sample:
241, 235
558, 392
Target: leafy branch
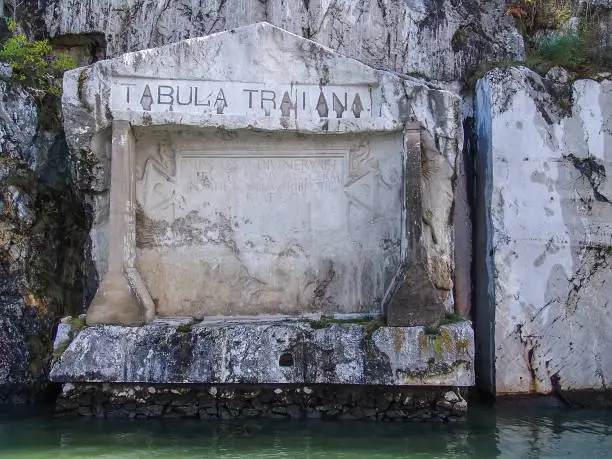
34, 64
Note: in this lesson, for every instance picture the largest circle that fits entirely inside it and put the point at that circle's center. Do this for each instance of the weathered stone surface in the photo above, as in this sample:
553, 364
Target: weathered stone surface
66, 330
439, 113
6, 71
273, 210
14, 377
372, 403
41, 244
269, 353
18, 113
318, 228
545, 158
62, 336
440, 39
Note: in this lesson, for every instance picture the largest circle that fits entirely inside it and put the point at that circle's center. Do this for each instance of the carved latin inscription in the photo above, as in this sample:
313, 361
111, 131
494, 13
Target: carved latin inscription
286, 192
258, 224
234, 98
297, 193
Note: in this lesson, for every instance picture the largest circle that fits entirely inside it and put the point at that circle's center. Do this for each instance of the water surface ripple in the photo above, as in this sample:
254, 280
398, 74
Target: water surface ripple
508, 432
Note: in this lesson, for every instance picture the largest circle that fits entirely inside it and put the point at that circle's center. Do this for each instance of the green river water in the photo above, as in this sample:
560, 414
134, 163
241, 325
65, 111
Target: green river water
501, 432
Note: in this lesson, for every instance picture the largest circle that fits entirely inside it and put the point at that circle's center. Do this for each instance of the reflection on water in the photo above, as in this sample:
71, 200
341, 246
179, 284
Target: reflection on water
488, 433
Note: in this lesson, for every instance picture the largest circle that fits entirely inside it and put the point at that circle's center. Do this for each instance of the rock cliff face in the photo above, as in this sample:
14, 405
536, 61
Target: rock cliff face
441, 39
41, 244
543, 261
545, 154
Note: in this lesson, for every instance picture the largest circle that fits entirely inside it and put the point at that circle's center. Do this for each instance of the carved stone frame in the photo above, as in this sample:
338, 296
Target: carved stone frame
123, 297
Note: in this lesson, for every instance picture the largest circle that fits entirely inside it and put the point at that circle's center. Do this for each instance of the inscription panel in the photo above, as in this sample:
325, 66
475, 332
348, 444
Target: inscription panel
257, 223
297, 193
281, 192
242, 99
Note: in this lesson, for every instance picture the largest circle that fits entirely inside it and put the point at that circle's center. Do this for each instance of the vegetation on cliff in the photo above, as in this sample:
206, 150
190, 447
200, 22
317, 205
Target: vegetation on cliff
34, 64
565, 33
39, 70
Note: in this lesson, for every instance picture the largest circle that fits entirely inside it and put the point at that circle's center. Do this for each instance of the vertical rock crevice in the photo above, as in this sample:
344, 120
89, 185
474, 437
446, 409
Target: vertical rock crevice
484, 311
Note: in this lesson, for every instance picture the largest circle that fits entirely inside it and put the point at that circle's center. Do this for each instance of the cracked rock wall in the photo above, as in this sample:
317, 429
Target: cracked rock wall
441, 39
549, 149
42, 233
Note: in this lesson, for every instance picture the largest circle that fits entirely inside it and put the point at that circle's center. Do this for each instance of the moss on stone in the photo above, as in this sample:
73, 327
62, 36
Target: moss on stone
459, 37
81, 85
77, 322
447, 340
462, 345
437, 345
59, 350
325, 322
186, 328
398, 338
423, 341
452, 318
370, 325
431, 330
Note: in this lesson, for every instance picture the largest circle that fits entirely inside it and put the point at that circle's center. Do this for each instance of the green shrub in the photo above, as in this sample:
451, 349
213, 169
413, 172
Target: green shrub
564, 33
35, 66
562, 48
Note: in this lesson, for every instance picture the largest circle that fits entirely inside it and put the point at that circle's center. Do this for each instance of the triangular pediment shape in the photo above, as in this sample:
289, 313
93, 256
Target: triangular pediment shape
257, 52
253, 77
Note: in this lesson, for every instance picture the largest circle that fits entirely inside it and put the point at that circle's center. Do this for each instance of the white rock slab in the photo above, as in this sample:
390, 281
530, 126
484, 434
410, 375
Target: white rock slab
545, 166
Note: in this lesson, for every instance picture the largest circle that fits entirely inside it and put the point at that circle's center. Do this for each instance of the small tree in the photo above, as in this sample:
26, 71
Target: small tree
34, 64
39, 71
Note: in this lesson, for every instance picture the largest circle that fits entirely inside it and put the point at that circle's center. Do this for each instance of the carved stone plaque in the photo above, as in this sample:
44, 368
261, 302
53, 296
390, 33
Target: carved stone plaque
302, 191
251, 172
266, 224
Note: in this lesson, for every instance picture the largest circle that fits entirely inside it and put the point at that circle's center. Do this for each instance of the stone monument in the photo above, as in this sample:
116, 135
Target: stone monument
285, 180
259, 181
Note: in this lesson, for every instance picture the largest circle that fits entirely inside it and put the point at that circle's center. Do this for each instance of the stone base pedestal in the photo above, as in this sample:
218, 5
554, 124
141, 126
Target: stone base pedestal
374, 403
270, 352
285, 368
115, 303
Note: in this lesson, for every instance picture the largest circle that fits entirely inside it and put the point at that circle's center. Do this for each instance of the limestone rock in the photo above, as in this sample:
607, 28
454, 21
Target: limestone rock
63, 336
440, 39
451, 397
545, 163
19, 121
13, 363
6, 71
267, 353
558, 75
